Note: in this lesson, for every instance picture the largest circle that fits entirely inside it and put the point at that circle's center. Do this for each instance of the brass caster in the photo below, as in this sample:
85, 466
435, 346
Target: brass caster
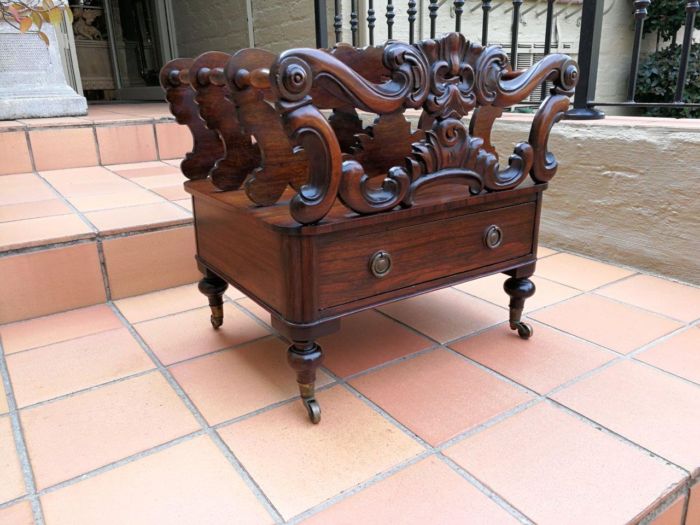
314, 409
216, 322
525, 330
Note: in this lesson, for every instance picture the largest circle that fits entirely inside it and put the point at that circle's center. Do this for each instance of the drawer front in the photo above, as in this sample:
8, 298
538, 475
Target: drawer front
353, 268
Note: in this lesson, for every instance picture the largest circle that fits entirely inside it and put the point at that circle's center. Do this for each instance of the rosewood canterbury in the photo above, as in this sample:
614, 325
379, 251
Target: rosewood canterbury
315, 214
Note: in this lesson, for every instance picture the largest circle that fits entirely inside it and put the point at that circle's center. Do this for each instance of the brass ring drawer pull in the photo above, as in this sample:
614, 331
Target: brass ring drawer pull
380, 264
493, 237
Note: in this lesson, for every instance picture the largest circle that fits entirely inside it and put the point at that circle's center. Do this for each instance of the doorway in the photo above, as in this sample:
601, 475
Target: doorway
120, 47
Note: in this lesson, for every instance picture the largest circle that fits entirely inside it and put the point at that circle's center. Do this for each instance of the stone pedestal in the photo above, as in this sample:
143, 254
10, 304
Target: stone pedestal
32, 83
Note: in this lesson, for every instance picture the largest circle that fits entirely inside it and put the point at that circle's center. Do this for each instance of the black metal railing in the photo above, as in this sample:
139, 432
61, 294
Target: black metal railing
585, 105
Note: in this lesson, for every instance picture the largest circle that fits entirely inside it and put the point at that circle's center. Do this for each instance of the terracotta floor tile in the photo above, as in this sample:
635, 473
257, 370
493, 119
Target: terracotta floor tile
44, 230
234, 293
62, 368
673, 515
679, 355
120, 144
675, 300
172, 178
163, 302
439, 395
446, 314
235, 382
174, 140
491, 289
132, 197
77, 434
427, 492
611, 324
11, 477
54, 121
14, 152
4, 407
172, 193
173, 162
23, 187
693, 515
86, 182
366, 340
185, 203
651, 408
58, 327
541, 363
195, 335
55, 149
18, 514
147, 262
138, 217
557, 469
254, 308
579, 272
350, 445
33, 210
49, 281
191, 482
544, 252
143, 169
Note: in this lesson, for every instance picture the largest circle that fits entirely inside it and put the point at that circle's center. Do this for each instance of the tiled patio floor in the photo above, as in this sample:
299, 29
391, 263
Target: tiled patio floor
137, 411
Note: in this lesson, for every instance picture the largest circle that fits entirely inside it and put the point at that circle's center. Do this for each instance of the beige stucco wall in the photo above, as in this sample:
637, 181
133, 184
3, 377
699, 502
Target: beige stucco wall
627, 191
210, 25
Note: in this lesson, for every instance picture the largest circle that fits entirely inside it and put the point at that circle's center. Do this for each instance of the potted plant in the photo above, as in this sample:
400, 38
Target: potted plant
32, 83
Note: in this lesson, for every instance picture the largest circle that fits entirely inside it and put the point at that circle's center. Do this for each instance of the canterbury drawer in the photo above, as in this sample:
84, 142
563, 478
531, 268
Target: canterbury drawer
353, 268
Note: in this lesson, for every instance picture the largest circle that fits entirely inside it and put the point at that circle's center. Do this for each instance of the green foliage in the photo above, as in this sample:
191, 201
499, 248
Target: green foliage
666, 17
657, 78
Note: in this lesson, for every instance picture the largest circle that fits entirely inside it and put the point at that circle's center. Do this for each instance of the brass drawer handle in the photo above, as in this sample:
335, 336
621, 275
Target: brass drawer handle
493, 237
380, 264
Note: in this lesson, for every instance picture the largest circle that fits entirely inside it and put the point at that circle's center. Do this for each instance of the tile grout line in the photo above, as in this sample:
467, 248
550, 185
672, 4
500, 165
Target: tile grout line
213, 435
20, 442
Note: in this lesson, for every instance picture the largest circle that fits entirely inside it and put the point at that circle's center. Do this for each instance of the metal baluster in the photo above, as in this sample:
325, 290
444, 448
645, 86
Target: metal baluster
411, 20
433, 7
370, 21
389, 19
548, 37
486, 7
320, 24
459, 9
588, 51
640, 13
691, 9
338, 23
514, 28
353, 22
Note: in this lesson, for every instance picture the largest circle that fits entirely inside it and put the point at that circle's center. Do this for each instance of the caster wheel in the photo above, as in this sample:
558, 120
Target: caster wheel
314, 410
216, 322
525, 330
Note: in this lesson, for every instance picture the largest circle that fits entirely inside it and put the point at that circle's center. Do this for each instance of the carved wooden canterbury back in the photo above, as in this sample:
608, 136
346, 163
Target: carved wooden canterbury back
277, 100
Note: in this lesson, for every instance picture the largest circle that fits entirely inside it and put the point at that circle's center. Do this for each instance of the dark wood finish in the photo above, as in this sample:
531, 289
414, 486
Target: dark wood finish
334, 216
214, 287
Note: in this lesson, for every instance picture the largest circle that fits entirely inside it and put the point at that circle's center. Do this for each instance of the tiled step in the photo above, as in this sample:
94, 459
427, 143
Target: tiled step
91, 209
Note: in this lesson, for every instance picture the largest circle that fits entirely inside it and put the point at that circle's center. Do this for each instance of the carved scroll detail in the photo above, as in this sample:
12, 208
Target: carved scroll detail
551, 111
448, 155
278, 166
241, 156
207, 146
308, 128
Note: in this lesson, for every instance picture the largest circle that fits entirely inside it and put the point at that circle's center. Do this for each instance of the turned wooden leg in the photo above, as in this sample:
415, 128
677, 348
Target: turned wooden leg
305, 357
519, 289
214, 287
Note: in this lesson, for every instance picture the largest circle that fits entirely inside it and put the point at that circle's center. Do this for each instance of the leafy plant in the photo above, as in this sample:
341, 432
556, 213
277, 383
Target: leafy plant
28, 16
658, 75
666, 17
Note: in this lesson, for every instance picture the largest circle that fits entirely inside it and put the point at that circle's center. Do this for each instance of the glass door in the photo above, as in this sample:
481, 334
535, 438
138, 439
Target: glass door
141, 41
